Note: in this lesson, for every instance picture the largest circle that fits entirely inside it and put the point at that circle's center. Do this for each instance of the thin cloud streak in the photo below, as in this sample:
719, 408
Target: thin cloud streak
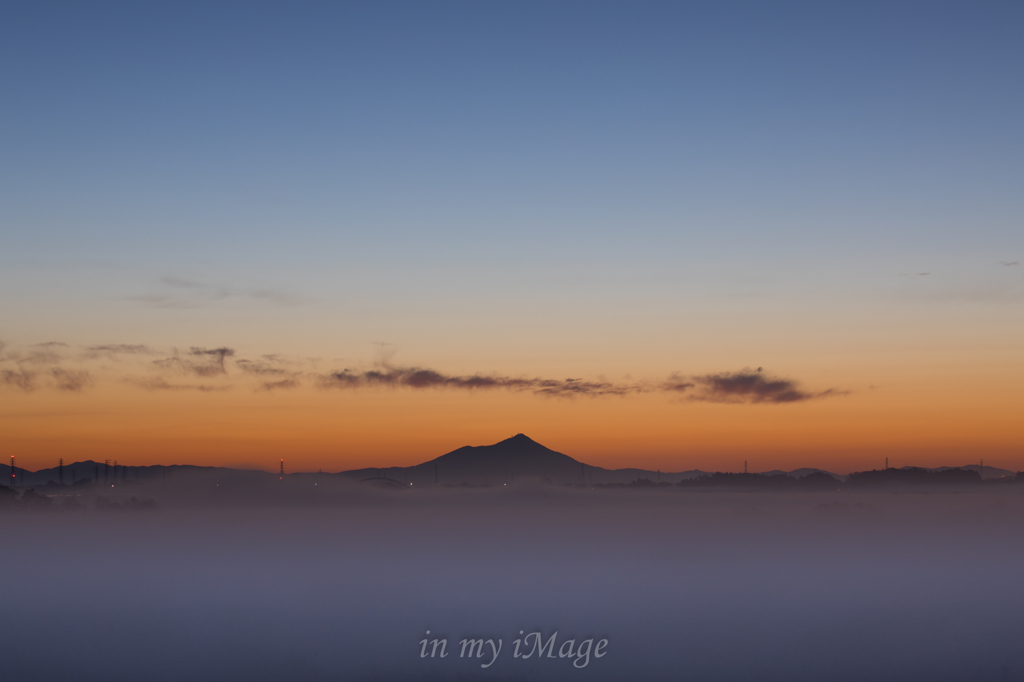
18, 379
272, 372
161, 384
203, 362
745, 386
263, 367
277, 385
119, 349
72, 380
39, 355
419, 378
750, 386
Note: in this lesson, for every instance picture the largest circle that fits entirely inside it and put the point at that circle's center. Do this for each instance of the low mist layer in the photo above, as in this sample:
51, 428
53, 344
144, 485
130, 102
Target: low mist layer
336, 580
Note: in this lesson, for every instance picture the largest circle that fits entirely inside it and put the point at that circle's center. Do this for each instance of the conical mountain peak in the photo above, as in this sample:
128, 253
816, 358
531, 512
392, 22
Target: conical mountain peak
517, 456
519, 439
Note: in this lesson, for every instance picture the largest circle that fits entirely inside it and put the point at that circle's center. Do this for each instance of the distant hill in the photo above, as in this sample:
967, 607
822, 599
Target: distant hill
102, 473
985, 472
514, 460
913, 476
520, 458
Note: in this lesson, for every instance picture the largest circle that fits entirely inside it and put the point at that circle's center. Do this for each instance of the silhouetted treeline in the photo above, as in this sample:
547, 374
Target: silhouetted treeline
30, 498
913, 476
27, 499
908, 476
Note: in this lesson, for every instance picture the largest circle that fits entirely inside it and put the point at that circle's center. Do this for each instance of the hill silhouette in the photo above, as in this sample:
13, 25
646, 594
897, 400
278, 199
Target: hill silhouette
503, 462
913, 476
517, 459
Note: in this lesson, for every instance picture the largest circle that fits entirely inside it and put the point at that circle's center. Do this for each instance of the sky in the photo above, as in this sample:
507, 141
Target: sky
665, 235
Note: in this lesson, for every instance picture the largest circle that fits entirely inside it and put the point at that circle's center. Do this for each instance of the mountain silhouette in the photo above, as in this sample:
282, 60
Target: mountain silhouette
515, 459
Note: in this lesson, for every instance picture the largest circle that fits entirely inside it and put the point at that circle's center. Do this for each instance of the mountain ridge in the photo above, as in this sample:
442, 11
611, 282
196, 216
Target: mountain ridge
517, 458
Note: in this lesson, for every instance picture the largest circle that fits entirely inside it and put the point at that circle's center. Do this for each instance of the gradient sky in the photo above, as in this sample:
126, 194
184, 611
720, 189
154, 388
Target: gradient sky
634, 195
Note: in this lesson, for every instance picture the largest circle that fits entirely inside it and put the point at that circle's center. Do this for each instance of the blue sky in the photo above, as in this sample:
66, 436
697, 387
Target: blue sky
316, 150
580, 189
481, 130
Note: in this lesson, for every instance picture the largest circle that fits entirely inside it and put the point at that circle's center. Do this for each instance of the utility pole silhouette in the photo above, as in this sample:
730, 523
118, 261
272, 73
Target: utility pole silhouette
106, 471
744, 466
886, 462
14, 481
282, 470
60, 472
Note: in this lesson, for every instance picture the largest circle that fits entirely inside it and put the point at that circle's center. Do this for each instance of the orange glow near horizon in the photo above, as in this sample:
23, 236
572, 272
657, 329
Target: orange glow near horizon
911, 422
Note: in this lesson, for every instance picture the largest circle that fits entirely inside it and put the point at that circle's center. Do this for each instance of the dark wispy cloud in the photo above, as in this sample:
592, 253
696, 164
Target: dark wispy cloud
274, 372
161, 384
22, 379
745, 386
267, 365
119, 349
1009, 263
751, 386
72, 379
419, 378
677, 384
203, 362
278, 385
39, 354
